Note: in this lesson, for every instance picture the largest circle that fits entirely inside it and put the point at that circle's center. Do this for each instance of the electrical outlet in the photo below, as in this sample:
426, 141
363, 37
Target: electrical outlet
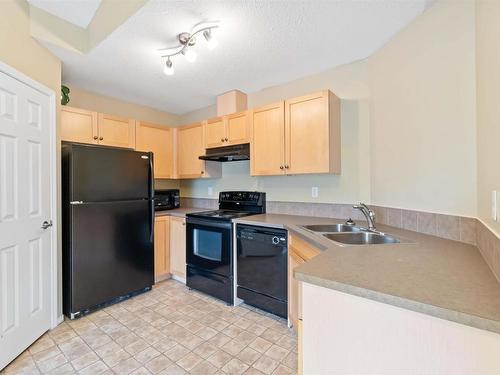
314, 192
210, 191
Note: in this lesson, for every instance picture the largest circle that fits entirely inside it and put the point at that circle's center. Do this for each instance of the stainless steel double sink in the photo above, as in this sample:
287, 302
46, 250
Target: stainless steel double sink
352, 235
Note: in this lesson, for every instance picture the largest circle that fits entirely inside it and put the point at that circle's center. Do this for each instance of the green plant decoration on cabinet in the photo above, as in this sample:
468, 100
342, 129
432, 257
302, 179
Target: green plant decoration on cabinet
64, 95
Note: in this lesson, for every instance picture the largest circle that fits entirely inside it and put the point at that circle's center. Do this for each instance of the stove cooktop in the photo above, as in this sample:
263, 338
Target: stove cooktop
221, 214
235, 204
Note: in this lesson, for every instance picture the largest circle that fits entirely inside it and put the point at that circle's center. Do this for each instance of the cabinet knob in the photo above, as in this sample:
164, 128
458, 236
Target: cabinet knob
96, 137
286, 166
281, 167
202, 172
222, 139
226, 139
101, 138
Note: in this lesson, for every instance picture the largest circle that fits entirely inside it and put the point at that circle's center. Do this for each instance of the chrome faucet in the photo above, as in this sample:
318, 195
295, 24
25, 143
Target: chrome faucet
369, 214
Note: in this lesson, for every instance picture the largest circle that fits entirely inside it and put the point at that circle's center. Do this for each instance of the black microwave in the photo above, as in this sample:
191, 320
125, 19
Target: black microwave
167, 199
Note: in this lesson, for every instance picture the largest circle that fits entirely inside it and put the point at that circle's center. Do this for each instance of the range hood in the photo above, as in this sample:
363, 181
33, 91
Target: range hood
228, 153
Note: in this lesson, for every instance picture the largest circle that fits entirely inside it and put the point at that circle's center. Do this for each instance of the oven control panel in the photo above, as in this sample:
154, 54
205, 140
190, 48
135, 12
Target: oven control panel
241, 196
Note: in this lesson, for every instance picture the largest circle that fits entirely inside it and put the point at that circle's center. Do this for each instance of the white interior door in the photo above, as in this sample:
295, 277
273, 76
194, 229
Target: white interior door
26, 253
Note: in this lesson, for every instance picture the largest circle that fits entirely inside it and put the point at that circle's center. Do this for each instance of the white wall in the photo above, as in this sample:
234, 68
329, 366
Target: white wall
488, 106
422, 119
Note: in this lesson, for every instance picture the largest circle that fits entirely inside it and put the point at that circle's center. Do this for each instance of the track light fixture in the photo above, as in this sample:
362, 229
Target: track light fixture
186, 43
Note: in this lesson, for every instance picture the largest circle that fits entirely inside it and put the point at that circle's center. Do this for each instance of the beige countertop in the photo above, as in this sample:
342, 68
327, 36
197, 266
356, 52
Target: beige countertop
443, 278
180, 212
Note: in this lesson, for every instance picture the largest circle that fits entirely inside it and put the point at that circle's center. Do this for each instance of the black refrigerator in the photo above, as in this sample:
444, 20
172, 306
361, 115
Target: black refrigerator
108, 221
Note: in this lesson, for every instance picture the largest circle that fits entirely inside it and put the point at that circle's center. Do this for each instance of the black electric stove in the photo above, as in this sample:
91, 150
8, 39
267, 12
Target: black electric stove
209, 242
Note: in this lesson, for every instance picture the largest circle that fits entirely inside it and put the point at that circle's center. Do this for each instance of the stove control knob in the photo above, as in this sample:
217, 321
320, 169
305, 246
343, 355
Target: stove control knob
275, 240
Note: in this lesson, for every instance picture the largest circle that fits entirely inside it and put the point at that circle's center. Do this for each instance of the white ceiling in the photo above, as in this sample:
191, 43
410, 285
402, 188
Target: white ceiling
78, 12
261, 44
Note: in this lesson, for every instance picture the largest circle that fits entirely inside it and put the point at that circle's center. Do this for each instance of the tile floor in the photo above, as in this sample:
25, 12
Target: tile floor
170, 330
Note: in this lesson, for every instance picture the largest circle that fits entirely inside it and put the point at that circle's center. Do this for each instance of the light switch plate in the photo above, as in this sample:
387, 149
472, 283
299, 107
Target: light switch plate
314, 192
210, 191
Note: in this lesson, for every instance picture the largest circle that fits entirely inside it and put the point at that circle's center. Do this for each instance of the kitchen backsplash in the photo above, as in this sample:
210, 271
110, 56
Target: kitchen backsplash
457, 228
489, 246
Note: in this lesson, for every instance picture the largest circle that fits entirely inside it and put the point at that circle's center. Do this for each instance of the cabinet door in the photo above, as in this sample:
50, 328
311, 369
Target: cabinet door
267, 146
237, 129
178, 247
300, 347
215, 132
189, 148
307, 134
162, 247
294, 289
159, 140
78, 125
116, 131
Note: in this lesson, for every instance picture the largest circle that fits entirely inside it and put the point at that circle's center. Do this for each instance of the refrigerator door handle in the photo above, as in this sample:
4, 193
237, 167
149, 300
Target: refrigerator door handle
151, 196
152, 219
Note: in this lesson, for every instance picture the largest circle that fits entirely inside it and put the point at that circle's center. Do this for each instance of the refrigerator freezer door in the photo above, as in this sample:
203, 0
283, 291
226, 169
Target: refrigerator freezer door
111, 252
105, 174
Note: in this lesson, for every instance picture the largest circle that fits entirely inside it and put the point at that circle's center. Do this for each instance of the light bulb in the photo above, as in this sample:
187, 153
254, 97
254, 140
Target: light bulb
190, 55
169, 68
212, 42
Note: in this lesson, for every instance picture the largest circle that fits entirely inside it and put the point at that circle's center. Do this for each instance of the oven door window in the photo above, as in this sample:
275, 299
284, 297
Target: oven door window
207, 244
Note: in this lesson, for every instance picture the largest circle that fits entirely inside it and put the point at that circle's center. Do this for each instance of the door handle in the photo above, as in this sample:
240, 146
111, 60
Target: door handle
46, 224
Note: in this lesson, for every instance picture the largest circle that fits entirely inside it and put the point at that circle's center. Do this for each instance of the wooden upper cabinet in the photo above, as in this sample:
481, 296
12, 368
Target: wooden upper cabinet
227, 130
267, 156
312, 134
189, 148
78, 125
215, 132
237, 128
301, 135
116, 131
159, 140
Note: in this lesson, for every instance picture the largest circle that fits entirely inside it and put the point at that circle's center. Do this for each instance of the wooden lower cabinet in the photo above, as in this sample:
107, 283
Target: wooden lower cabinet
299, 252
162, 248
178, 247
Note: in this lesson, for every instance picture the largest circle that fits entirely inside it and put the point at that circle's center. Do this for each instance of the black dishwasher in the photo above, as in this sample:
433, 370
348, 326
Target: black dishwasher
261, 265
